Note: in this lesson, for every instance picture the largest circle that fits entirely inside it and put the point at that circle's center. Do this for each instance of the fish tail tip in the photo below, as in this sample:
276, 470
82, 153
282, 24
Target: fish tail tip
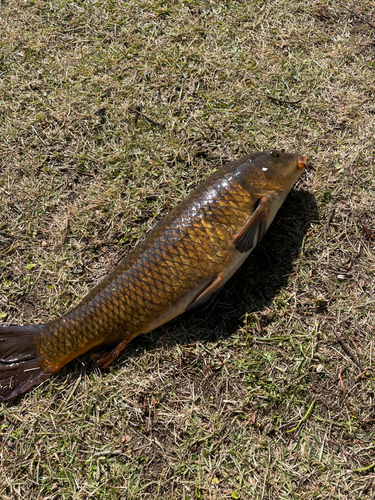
19, 363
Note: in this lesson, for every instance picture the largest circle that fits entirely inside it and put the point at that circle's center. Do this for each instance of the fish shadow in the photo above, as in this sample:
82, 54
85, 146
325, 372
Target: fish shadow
252, 288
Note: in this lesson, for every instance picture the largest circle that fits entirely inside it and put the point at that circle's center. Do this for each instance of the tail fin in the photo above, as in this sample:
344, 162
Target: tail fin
19, 363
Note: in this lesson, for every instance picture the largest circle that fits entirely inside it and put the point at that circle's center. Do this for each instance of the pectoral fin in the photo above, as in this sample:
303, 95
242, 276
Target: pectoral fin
212, 288
253, 231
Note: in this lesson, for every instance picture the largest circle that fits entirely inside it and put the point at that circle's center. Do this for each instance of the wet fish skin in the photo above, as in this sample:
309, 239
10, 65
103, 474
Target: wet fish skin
187, 256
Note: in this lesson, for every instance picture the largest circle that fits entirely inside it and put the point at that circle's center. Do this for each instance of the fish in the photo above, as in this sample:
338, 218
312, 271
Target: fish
184, 261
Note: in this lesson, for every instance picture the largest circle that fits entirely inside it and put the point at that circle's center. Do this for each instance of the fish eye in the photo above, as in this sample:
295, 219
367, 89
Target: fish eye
274, 153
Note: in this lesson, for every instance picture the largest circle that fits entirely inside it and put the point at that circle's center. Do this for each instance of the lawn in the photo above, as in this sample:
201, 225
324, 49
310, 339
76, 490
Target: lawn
110, 113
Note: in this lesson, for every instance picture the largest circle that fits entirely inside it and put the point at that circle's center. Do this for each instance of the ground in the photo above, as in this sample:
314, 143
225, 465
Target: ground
269, 394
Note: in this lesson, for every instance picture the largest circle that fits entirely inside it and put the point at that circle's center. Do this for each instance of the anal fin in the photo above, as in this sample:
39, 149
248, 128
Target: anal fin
253, 231
106, 354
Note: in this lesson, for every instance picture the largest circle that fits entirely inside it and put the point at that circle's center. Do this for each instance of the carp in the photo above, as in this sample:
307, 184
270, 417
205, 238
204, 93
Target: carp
185, 259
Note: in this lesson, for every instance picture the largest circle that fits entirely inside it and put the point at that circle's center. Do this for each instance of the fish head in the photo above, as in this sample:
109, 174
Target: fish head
273, 170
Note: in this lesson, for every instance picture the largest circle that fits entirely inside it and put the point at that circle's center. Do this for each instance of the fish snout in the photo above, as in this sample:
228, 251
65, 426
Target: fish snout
301, 163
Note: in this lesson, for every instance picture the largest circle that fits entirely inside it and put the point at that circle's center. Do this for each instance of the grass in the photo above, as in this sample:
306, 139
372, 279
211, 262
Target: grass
268, 395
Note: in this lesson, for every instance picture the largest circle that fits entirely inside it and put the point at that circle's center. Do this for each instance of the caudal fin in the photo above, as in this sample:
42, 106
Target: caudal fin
19, 363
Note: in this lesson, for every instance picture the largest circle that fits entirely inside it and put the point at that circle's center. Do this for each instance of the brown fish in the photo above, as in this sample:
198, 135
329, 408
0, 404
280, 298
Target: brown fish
186, 257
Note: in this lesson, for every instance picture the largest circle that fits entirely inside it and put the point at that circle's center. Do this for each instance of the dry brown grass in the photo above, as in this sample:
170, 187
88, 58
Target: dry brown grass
247, 402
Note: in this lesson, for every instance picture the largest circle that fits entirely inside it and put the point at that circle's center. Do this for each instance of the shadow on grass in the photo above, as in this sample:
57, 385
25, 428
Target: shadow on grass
254, 285
251, 289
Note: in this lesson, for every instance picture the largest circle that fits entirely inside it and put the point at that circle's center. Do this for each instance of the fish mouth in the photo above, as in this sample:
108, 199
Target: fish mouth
301, 163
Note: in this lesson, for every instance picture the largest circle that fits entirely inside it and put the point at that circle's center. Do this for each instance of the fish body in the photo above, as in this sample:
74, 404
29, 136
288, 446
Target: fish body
187, 257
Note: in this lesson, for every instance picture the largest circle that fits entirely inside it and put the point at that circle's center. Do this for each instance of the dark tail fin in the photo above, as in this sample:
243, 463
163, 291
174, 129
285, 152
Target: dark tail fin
19, 364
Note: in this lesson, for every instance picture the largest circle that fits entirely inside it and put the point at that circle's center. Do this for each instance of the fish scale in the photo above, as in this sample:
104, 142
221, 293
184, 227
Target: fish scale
187, 256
